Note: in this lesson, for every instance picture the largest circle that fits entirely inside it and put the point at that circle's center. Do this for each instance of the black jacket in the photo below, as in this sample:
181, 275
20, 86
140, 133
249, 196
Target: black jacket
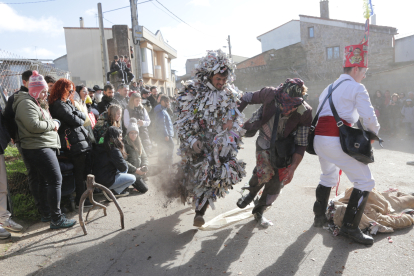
115, 67
92, 105
106, 164
9, 115
72, 120
153, 102
135, 160
4, 136
104, 104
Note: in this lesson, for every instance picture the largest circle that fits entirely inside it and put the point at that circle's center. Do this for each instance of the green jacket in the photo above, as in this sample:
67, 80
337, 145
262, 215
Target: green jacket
35, 127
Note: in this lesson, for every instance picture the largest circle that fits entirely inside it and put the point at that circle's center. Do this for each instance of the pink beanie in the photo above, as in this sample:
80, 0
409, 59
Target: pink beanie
36, 84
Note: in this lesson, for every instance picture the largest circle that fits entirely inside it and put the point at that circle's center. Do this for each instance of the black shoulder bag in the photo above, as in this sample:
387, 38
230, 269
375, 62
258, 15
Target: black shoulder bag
356, 142
311, 135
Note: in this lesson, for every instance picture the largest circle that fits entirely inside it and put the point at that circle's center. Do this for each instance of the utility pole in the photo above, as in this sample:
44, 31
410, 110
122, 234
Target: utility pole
137, 34
228, 40
104, 52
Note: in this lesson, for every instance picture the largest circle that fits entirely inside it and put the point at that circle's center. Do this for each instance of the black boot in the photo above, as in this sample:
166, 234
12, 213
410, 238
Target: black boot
352, 217
244, 201
319, 208
198, 219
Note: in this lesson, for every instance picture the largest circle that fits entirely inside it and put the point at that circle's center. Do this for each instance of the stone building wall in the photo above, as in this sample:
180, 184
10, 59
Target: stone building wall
279, 65
255, 61
398, 77
380, 55
308, 59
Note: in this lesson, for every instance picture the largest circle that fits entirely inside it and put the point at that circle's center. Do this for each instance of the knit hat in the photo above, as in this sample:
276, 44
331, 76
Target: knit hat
133, 126
88, 100
36, 84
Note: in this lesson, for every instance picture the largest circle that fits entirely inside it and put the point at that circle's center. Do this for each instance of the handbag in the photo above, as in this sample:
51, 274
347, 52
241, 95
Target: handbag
311, 134
356, 142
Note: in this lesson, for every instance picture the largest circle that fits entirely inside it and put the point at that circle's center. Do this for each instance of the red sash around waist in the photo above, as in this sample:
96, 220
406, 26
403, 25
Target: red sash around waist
327, 126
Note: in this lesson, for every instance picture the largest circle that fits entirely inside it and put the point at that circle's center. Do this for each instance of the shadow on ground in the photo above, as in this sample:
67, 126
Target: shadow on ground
156, 248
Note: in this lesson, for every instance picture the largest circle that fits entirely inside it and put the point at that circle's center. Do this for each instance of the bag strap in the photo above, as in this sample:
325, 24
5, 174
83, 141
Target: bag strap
330, 91
275, 126
340, 123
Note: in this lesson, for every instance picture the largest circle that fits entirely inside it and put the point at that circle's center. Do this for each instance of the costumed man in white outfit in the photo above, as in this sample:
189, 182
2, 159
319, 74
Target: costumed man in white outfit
352, 102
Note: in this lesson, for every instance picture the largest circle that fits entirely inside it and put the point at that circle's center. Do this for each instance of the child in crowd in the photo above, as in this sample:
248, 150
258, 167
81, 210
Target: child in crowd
136, 156
110, 167
136, 110
109, 118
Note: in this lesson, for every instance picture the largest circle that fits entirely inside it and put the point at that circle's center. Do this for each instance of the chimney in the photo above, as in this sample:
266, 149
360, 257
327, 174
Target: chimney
374, 19
324, 9
82, 24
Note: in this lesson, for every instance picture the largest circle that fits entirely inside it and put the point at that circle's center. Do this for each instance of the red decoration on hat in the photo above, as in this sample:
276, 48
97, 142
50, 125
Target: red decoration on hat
356, 56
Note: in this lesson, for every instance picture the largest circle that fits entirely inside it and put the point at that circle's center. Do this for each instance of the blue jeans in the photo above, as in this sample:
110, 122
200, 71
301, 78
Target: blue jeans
122, 181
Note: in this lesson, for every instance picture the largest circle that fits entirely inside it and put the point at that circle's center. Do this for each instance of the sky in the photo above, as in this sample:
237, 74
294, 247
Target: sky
35, 30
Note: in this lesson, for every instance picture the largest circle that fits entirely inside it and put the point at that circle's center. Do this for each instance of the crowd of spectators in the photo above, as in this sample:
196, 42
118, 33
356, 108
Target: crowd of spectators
99, 131
395, 112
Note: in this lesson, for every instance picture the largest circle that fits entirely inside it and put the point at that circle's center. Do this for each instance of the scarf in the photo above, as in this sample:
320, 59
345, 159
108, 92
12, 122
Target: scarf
289, 95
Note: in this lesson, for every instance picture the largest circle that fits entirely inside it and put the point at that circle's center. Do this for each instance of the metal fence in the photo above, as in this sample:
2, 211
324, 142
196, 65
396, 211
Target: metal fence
11, 69
12, 66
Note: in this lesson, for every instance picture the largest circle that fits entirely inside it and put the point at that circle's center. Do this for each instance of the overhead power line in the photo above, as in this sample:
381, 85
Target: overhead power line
165, 12
27, 2
108, 20
127, 6
184, 21
174, 14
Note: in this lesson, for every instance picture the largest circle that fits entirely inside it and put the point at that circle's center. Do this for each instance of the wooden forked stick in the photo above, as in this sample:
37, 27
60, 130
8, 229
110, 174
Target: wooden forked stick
90, 185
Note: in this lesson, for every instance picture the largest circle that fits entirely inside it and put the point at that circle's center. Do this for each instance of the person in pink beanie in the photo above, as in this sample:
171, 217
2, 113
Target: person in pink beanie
40, 143
36, 85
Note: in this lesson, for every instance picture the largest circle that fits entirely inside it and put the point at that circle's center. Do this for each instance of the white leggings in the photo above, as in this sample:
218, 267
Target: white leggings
332, 159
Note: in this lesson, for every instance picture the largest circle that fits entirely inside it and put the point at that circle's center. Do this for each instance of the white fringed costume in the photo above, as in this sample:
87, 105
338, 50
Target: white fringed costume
202, 110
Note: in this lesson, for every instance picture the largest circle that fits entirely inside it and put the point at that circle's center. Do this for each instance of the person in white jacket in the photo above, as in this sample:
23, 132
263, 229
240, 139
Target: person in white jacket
351, 100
